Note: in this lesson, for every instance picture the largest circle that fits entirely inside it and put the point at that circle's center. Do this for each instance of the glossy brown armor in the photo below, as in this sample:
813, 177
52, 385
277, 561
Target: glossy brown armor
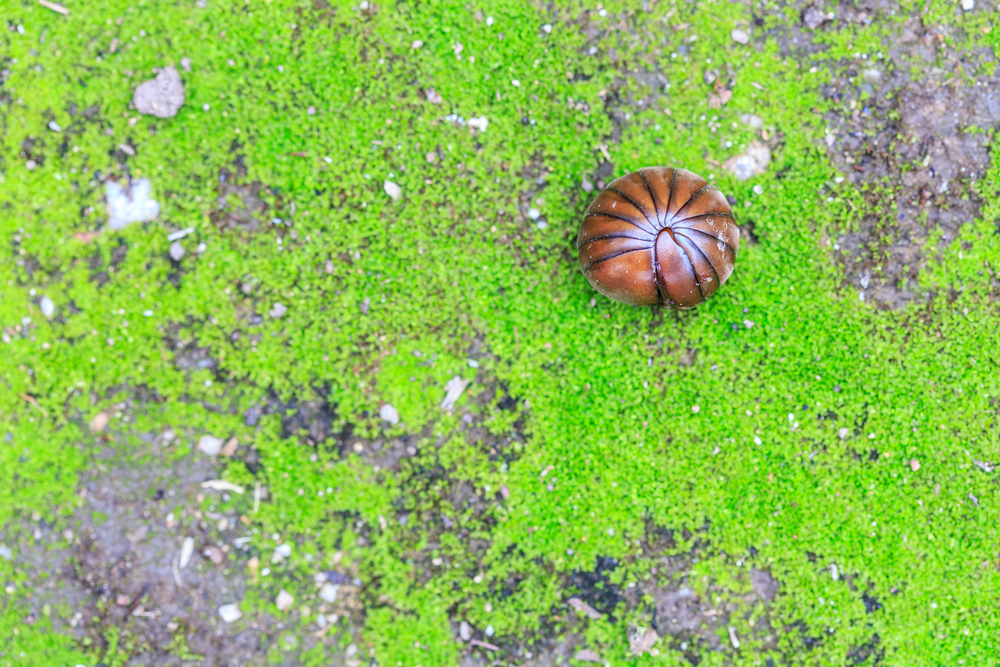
659, 236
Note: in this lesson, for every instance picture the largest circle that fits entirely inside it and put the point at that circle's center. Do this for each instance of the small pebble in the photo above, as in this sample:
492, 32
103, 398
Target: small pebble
329, 593
389, 413
214, 554
230, 613
99, 422
54, 126
740, 36
473, 363
695, 409
30, 165
547, 28
284, 601
278, 310
758, 190
177, 251
393, 190
48, 307
366, 305
489, 631
465, 631
968, 5
533, 213
587, 185
5, 552
186, 64
210, 445
914, 465
842, 433
433, 96
162, 96
417, 43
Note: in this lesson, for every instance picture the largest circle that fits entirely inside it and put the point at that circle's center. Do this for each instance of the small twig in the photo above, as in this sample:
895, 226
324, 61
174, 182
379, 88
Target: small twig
490, 647
54, 7
34, 404
256, 497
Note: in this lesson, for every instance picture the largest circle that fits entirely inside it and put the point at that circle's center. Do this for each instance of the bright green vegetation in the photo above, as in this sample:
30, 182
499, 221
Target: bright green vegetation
785, 353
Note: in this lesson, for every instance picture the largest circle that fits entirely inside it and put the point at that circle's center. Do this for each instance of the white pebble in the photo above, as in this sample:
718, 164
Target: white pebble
6, 553
489, 631
284, 601
758, 190
48, 307
393, 190
515, 83
547, 28
417, 43
756, 440
968, 5
329, 593
209, 444
177, 251
843, 433
54, 126
473, 363
230, 613
489, 20
533, 213
740, 36
389, 413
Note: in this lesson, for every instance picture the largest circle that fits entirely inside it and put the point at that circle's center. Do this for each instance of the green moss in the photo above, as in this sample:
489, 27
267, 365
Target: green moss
603, 394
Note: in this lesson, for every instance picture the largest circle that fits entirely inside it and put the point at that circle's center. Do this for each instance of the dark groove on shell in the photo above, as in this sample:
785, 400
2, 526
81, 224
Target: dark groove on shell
711, 236
632, 201
604, 259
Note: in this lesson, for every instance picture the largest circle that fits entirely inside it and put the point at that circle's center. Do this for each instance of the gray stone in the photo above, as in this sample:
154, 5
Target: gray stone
161, 97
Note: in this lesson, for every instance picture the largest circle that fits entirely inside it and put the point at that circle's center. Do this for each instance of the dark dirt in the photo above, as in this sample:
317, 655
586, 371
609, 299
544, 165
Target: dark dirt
118, 569
919, 144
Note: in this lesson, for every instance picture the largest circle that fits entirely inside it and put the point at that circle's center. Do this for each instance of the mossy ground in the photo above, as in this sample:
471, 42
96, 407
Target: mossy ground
576, 439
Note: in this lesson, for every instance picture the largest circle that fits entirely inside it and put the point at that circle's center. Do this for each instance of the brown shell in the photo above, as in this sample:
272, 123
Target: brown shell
659, 235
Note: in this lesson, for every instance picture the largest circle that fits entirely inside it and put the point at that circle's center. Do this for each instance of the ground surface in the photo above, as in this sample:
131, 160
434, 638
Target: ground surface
799, 472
